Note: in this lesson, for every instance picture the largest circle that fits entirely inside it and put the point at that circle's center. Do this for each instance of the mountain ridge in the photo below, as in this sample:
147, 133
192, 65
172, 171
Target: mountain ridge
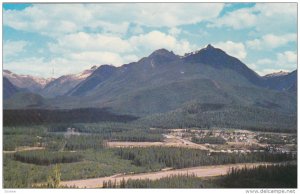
164, 81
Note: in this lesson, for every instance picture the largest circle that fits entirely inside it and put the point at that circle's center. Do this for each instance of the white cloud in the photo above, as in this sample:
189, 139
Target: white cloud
90, 42
47, 19
78, 51
199, 34
86, 45
69, 64
287, 57
275, 9
236, 49
172, 14
285, 61
156, 40
86, 34
130, 58
109, 28
56, 19
97, 58
137, 30
265, 62
271, 41
174, 31
32, 66
254, 44
264, 17
13, 48
242, 18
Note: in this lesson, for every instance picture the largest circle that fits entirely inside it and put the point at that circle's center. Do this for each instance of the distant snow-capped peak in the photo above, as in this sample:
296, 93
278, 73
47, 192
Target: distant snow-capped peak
276, 74
85, 73
19, 77
42, 81
76, 77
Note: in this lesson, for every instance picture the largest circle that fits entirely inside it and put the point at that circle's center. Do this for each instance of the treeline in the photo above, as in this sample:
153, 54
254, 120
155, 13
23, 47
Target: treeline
271, 176
174, 181
227, 116
113, 131
102, 127
93, 135
94, 164
29, 130
273, 129
11, 142
48, 116
83, 142
14, 137
43, 157
265, 176
136, 135
34, 136
159, 157
208, 139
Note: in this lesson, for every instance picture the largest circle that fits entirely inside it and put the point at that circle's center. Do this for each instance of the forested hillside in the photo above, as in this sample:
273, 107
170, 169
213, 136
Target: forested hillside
52, 116
221, 115
161, 157
206, 88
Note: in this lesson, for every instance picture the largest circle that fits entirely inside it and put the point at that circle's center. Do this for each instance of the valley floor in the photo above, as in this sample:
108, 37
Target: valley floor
91, 155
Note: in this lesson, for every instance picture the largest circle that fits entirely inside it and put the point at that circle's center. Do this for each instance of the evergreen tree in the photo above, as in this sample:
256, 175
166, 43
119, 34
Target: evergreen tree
53, 180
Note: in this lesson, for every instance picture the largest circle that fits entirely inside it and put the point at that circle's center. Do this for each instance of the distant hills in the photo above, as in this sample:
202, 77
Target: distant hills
165, 83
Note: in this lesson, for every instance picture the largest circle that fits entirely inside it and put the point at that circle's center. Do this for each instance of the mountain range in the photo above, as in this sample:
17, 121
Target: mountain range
164, 83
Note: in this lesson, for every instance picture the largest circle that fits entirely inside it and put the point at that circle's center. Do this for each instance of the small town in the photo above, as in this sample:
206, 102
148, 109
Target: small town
241, 141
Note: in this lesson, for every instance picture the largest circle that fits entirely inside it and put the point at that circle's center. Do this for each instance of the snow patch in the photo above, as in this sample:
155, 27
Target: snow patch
277, 74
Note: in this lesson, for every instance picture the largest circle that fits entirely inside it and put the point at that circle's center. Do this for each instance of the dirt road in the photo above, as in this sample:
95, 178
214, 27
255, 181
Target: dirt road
202, 171
23, 148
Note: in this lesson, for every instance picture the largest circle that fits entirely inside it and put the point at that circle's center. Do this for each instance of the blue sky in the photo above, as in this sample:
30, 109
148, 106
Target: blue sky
69, 38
